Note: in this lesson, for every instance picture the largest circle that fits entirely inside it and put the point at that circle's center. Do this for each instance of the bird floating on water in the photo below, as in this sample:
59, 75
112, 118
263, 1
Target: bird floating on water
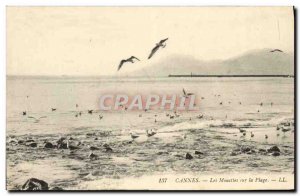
131, 60
158, 45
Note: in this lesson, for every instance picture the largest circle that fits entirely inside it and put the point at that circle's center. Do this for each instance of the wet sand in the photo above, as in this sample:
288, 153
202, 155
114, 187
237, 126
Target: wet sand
219, 152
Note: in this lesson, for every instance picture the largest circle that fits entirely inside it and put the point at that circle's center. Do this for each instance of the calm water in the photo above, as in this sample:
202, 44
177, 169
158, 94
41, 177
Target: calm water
37, 95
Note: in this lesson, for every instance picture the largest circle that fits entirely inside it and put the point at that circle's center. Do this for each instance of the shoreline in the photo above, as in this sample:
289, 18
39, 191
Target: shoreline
72, 169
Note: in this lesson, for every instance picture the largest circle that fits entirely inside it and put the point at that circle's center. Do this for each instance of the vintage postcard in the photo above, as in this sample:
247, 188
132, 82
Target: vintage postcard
150, 98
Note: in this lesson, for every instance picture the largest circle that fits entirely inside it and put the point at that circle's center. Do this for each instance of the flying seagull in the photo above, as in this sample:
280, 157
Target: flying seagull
185, 94
37, 119
276, 50
127, 60
158, 45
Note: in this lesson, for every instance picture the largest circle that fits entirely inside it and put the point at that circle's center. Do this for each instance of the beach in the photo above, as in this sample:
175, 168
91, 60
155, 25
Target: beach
213, 135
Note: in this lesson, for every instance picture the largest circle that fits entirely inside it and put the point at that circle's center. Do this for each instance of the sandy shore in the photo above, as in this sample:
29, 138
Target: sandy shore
213, 152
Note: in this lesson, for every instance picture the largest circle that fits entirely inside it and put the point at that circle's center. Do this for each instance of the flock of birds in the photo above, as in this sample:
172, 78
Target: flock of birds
132, 59
159, 45
283, 127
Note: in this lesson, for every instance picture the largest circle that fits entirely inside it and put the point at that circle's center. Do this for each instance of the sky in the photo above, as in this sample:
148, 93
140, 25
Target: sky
93, 40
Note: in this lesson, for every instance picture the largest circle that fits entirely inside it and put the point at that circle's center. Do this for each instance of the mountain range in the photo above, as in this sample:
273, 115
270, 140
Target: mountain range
255, 62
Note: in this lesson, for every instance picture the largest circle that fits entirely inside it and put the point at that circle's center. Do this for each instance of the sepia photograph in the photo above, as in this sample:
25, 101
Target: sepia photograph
150, 98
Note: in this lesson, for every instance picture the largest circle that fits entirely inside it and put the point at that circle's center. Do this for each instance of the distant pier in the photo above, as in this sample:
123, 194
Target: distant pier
233, 76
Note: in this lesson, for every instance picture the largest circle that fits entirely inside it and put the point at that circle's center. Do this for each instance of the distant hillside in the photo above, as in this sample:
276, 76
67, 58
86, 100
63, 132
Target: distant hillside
260, 62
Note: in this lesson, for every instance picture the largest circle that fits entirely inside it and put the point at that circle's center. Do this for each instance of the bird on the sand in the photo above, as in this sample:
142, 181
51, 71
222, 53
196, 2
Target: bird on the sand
71, 147
276, 50
24, 113
278, 134
242, 130
185, 94
37, 119
133, 136
266, 136
131, 60
278, 127
100, 116
200, 116
158, 45
92, 148
92, 156
53, 109
284, 129
90, 111
107, 148
252, 134
149, 134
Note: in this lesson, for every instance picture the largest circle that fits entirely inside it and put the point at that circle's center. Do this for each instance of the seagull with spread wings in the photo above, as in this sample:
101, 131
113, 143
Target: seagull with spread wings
131, 60
276, 50
37, 119
185, 94
158, 45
